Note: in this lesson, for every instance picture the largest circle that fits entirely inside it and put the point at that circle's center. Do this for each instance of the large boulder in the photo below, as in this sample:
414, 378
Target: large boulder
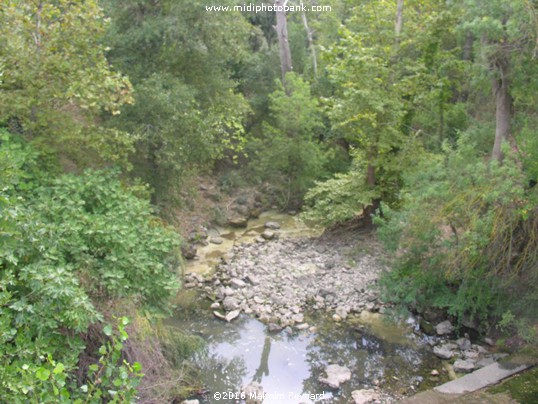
443, 352
268, 234
464, 366
232, 315
216, 240
364, 396
230, 303
238, 221
444, 328
464, 344
336, 375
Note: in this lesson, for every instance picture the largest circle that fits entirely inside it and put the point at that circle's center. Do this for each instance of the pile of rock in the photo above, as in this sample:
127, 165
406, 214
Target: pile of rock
277, 281
465, 355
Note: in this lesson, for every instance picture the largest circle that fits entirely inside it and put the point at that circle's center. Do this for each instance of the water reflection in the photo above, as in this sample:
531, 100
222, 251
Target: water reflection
263, 369
243, 351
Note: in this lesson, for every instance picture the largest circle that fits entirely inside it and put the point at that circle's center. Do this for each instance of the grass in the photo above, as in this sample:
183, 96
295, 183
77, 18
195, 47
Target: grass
522, 387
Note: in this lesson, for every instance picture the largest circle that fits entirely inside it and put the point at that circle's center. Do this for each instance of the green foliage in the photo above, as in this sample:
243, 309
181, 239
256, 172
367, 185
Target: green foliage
187, 112
289, 154
56, 79
68, 244
107, 234
340, 198
111, 379
467, 237
528, 141
383, 88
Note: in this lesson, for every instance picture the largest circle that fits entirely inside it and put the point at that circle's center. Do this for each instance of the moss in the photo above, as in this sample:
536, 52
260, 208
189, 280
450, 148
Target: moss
523, 387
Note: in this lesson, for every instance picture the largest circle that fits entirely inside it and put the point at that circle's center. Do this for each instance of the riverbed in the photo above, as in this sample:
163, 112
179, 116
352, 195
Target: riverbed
288, 361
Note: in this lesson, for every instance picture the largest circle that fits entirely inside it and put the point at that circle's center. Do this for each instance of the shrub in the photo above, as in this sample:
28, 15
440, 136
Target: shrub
467, 237
69, 245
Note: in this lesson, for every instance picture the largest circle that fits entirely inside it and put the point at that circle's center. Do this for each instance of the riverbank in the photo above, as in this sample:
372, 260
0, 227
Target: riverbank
285, 282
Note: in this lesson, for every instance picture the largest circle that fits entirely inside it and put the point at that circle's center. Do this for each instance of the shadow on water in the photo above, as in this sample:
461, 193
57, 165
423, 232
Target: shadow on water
244, 351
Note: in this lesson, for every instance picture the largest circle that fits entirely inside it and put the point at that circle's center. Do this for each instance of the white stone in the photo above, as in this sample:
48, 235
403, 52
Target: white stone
364, 396
443, 352
219, 315
444, 328
268, 234
342, 312
216, 240
463, 366
298, 318
464, 344
232, 315
336, 375
237, 283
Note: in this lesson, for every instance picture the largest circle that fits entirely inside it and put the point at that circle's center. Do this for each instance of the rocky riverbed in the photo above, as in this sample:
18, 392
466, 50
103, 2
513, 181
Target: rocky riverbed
277, 280
283, 281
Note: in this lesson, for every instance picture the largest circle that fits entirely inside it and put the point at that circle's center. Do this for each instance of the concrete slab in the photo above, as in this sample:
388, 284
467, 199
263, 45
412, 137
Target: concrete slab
478, 397
481, 378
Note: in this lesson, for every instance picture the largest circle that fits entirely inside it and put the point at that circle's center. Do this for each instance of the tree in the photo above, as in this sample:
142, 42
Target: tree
289, 154
282, 33
57, 81
188, 113
311, 45
399, 19
368, 107
507, 33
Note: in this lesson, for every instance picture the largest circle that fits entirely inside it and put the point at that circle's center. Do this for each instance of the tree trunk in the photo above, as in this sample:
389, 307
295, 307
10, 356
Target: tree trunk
503, 106
310, 44
369, 210
399, 18
283, 44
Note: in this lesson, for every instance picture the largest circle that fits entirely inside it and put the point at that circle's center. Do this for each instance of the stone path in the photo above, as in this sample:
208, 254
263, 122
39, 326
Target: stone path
469, 388
488, 375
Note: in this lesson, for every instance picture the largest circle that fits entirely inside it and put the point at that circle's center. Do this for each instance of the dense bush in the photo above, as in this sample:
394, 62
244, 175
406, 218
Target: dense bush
69, 245
289, 155
467, 237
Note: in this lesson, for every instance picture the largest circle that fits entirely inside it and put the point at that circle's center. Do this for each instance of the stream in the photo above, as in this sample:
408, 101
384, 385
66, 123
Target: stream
381, 354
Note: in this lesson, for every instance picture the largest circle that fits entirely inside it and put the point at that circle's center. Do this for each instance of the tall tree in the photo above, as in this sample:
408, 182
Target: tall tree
57, 80
508, 34
311, 45
399, 18
181, 60
282, 32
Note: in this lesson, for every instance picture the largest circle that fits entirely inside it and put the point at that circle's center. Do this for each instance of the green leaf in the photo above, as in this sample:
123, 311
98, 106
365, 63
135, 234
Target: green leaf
107, 329
42, 374
59, 368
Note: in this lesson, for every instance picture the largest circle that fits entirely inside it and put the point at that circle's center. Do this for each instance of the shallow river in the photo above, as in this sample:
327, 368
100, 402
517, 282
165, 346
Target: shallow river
289, 364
